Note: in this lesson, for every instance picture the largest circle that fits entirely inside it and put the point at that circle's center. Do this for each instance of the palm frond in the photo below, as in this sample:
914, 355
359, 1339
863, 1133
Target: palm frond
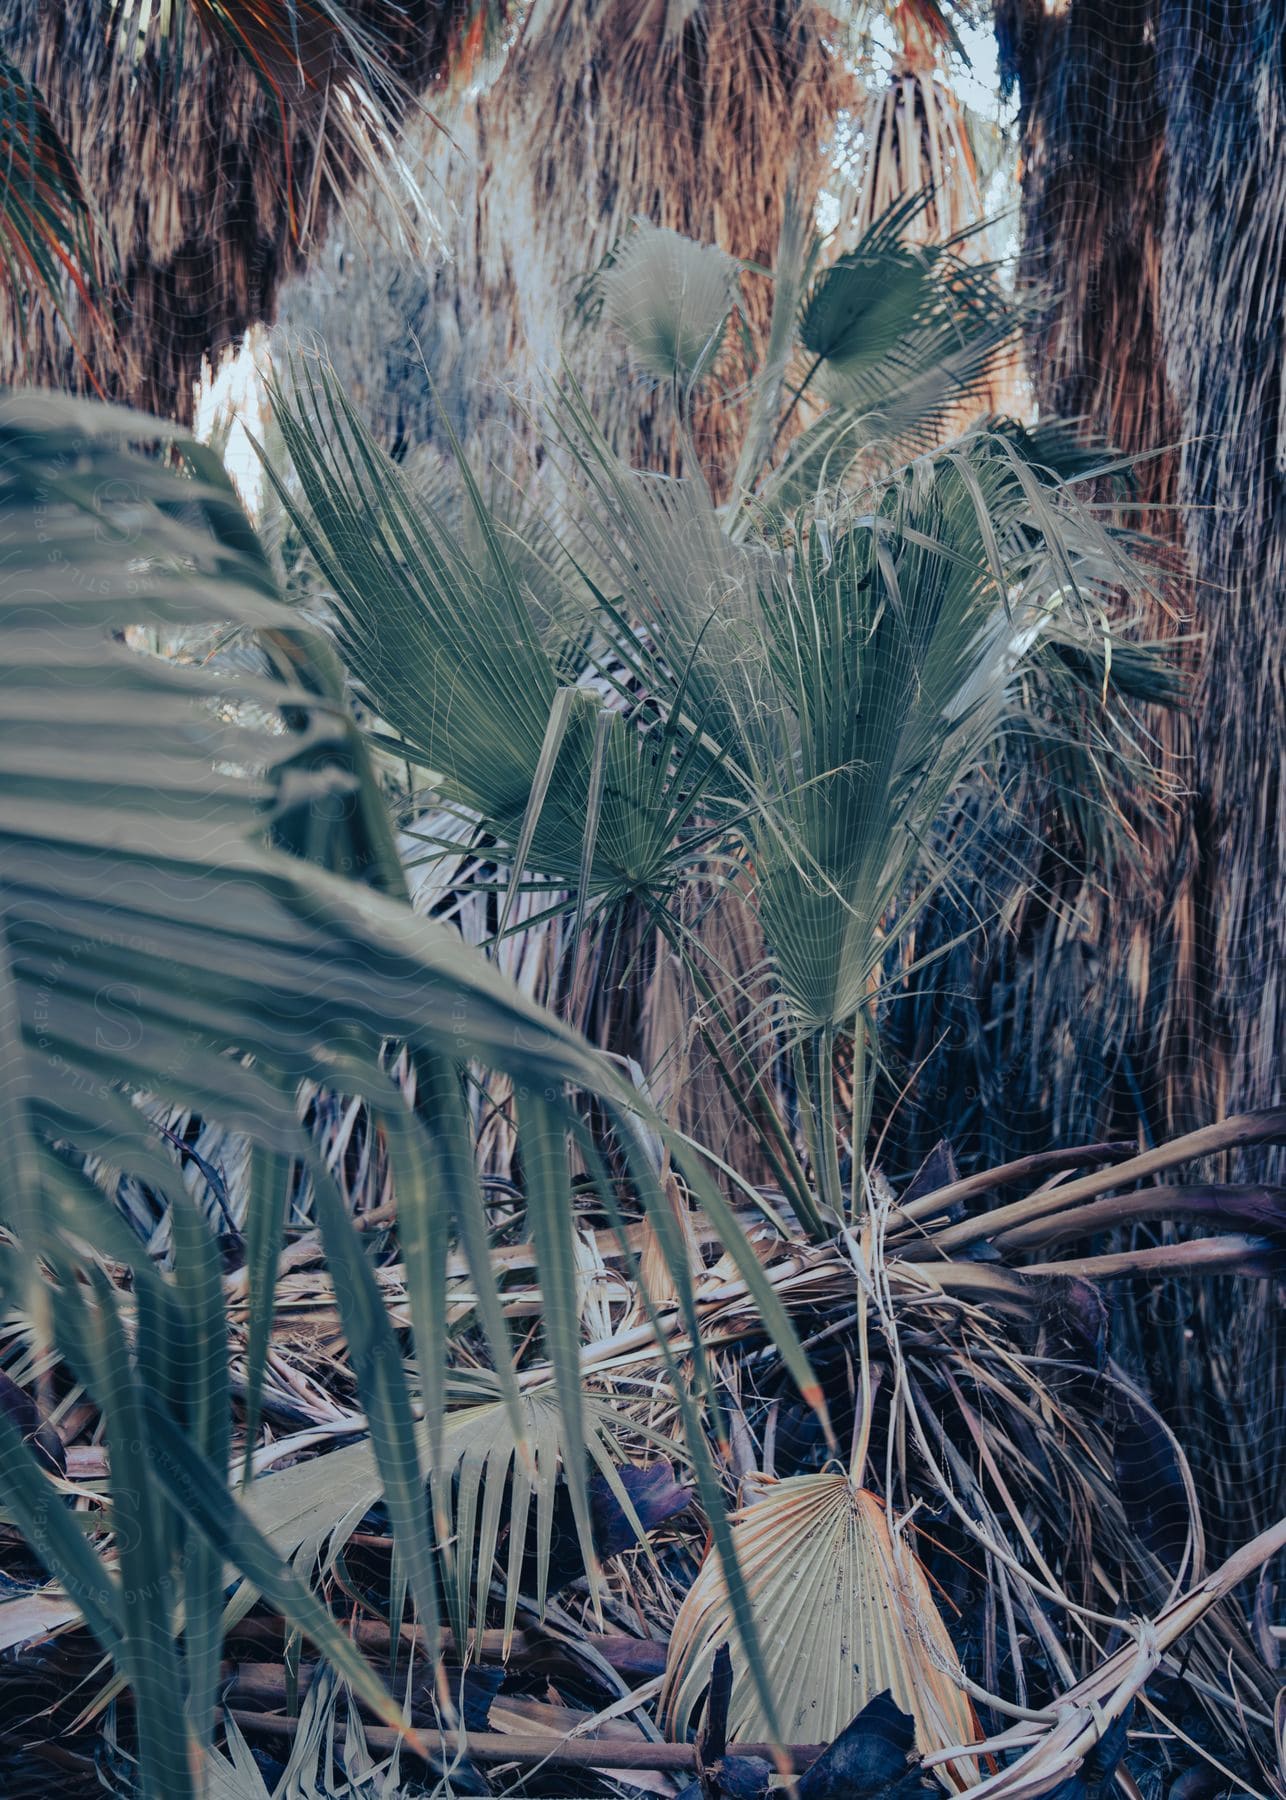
671, 299
844, 1612
232, 971
433, 631
903, 335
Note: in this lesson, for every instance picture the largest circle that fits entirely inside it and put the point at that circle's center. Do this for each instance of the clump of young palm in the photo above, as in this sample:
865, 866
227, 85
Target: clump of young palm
779, 697
650, 601
663, 696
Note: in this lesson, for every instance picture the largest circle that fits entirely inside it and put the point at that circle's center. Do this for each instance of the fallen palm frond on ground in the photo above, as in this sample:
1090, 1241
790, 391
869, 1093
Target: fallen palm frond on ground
841, 1612
1085, 1713
1053, 1746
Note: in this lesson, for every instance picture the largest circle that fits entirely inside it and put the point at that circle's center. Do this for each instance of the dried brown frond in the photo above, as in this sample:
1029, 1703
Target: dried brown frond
215, 155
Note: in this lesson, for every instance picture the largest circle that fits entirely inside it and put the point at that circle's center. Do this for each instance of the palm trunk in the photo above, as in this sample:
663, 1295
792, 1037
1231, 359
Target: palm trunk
1154, 189
1154, 170
1103, 988
1224, 318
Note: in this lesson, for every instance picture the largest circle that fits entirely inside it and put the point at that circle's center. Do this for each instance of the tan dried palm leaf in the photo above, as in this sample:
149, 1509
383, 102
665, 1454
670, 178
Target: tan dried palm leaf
843, 1612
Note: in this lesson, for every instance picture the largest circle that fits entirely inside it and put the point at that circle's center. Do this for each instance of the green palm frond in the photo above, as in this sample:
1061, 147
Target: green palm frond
893, 646
856, 312
902, 336
159, 938
896, 340
797, 702
435, 623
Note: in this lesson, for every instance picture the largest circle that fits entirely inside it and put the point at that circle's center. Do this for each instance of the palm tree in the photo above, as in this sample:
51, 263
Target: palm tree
204, 907
1093, 213
205, 144
1081, 968
703, 120
729, 691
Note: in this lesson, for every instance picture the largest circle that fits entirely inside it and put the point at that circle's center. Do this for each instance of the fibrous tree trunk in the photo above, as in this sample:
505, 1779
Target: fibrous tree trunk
1153, 201
1113, 966
1154, 220
212, 168
1073, 1012
1224, 320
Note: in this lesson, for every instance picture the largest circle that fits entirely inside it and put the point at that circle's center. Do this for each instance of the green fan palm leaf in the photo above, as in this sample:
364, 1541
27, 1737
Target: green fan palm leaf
439, 627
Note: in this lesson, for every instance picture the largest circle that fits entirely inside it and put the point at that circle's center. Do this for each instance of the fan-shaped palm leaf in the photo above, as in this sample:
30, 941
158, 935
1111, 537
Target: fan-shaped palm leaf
903, 347
843, 1611
858, 309
671, 299
434, 630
